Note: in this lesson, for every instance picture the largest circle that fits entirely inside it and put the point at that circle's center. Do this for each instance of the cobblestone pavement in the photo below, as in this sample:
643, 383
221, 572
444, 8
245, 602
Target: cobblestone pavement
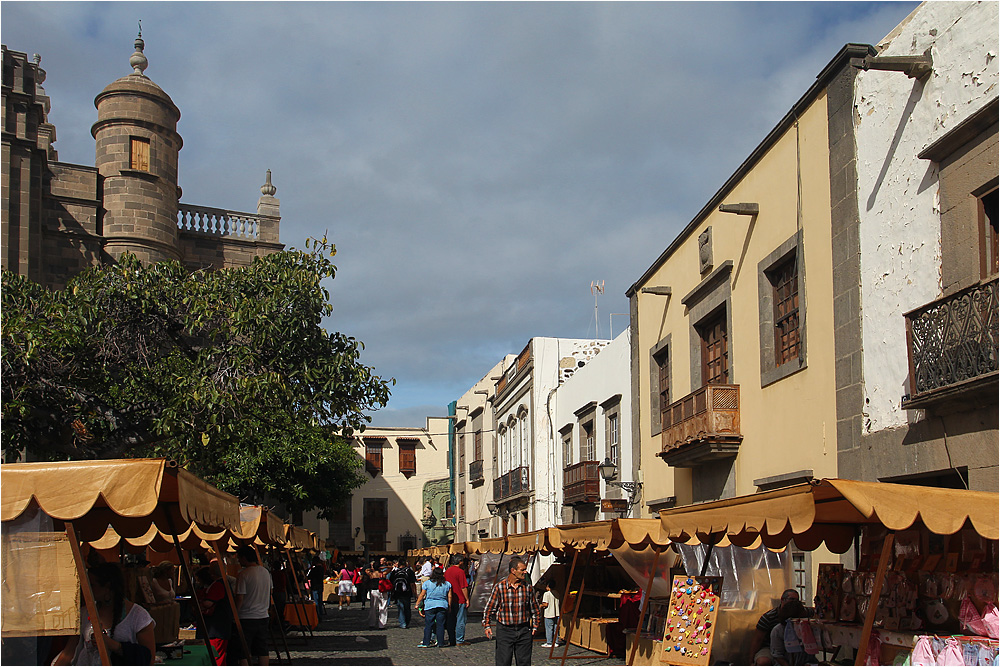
343, 638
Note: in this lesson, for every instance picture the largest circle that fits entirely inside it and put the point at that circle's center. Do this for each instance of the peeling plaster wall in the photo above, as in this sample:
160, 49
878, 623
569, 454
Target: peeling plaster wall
898, 194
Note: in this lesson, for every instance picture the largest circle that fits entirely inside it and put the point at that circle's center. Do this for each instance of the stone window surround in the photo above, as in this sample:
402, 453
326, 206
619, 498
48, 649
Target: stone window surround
657, 352
587, 414
703, 302
770, 372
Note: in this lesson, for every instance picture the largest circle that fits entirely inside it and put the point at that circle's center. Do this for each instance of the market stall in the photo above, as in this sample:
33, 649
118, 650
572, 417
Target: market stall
49, 510
921, 555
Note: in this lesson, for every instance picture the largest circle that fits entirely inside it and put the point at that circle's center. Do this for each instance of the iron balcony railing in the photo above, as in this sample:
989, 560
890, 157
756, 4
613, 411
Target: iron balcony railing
581, 483
512, 483
953, 340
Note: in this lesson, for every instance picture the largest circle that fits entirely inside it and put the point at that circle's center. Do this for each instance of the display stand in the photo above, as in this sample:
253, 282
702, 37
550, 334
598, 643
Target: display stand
690, 629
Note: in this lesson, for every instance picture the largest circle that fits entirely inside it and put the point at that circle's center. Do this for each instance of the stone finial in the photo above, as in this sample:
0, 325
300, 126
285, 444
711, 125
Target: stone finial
267, 189
138, 60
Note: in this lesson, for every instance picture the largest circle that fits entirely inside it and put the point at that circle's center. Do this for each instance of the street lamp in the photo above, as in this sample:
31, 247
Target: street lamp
492, 507
609, 470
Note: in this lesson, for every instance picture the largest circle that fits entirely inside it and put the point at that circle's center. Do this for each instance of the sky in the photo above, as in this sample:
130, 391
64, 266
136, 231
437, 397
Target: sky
478, 165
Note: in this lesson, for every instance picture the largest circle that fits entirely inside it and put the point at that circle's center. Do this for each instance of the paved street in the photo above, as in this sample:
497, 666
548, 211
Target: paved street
343, 638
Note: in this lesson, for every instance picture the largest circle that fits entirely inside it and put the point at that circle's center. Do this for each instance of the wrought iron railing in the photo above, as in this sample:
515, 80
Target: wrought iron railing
953, 339
512, 483
581, 483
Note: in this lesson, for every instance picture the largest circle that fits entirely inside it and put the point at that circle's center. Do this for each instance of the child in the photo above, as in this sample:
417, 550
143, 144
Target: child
550, 612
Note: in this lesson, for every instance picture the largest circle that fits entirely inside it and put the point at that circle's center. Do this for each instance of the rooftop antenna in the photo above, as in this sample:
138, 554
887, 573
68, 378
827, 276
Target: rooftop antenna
596, 287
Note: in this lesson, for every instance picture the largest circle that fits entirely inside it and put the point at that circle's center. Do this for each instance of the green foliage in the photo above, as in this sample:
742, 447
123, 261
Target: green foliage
229, 372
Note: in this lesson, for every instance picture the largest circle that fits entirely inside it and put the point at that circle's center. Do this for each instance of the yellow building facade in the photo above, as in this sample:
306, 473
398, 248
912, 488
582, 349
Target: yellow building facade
733, 328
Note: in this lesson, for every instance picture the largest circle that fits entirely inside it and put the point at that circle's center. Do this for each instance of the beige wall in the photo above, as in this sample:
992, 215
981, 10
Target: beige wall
789, 425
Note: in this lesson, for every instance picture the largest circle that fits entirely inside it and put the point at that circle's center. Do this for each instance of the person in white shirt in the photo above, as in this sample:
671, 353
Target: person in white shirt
253, 600
426, 569
550, 613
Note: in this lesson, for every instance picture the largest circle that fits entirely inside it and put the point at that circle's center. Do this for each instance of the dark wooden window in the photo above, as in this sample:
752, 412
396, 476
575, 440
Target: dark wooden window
461, 452
478, 445
461, 504
407, 458
373, 455
448, 511
714, 350
988, 236
340, 526
407, 542
785, 283
139, 155
376, 522
663, 377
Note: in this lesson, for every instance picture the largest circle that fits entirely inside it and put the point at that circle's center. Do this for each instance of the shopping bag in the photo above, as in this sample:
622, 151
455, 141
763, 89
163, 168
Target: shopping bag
972, 621
991, 620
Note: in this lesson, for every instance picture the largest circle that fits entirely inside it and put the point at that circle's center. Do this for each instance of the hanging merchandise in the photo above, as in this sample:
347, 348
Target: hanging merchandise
690, 629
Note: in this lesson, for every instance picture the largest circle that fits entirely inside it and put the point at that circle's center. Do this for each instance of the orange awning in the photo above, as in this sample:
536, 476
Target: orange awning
298, 537
492, 545
129, 494
829, 511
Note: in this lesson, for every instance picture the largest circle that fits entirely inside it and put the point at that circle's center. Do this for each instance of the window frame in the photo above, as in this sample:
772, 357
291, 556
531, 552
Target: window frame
374, 458
410, 447
770, 370
135, 158
660, 366
785, 296
989, 248
714, 334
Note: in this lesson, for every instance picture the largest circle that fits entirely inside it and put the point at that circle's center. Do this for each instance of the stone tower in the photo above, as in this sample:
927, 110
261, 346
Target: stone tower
137, 150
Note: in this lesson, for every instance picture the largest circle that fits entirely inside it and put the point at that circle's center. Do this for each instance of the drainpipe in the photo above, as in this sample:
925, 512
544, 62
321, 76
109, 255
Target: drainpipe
452, 414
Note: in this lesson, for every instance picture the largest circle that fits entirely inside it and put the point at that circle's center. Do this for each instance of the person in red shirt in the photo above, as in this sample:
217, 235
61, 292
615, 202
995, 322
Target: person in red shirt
455, 622
517, 613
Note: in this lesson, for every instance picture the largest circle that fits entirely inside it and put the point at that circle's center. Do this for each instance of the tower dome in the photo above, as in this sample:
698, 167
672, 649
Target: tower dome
136, 155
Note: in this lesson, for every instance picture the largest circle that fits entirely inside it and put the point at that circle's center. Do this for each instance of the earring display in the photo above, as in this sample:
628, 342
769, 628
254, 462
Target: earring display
690, 623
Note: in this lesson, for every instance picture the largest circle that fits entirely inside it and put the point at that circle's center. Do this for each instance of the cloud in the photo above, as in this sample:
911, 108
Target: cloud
477, 164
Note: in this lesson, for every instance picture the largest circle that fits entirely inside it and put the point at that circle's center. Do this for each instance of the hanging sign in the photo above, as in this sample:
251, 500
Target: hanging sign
614, 505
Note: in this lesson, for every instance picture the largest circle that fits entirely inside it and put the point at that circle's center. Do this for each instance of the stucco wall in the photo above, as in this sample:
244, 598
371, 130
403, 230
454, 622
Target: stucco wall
604, 377
898, 193
789, 425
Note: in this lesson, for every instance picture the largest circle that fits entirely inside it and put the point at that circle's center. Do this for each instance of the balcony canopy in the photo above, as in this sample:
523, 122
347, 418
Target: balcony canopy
132, 495
830, 511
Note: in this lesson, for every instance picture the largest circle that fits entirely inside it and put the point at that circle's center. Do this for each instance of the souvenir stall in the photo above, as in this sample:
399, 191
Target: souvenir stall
610, 582
923, 584
300, 611
51, 510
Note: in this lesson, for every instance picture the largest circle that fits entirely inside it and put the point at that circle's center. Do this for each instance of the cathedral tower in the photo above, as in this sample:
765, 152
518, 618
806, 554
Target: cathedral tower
137, 150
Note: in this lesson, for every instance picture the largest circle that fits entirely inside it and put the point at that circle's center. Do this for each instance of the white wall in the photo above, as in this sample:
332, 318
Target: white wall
603, 377
898, 198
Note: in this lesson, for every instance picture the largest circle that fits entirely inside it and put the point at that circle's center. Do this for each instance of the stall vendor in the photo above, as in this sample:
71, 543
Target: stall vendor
760, 646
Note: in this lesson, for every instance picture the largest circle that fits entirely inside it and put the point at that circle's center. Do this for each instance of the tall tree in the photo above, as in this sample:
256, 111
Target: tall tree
230, 372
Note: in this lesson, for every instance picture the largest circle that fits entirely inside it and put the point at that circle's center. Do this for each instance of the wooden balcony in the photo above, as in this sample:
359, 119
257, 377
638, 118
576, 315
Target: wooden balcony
952, 348
702, 427
512, 483
475, 472
581, 483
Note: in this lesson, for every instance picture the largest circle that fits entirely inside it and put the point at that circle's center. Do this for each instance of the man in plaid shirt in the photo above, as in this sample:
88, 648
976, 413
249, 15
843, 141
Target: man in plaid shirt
517, 614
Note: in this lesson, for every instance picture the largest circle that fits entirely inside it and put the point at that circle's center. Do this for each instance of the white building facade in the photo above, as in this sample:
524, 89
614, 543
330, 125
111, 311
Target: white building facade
527, 487
926, 142
592, 415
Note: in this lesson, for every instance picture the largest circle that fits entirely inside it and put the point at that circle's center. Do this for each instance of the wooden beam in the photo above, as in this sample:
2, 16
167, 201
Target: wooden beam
232, 600
883, 565
88, 595
569, 579
642, 611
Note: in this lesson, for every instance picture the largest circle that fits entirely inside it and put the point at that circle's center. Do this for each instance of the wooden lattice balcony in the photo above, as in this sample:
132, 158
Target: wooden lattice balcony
702, 427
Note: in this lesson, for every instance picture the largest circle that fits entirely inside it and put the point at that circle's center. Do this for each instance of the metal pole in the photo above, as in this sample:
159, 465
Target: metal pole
190, 580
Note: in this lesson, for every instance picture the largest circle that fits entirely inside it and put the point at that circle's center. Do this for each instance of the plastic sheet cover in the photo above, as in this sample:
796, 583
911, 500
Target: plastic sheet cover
40, 586
753, 580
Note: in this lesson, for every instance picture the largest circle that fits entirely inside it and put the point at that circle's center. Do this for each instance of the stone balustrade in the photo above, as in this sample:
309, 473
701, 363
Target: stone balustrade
222, 222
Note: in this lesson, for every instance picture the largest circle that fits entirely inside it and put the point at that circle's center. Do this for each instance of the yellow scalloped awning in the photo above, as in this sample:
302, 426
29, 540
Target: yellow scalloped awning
829, 511
492, 545
129, 494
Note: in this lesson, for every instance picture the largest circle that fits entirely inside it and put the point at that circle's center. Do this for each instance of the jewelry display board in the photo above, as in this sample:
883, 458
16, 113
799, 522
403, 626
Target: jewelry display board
828, 587
690, 627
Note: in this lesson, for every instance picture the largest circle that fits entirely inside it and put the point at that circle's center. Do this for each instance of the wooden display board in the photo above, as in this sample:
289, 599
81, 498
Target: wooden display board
690, 628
